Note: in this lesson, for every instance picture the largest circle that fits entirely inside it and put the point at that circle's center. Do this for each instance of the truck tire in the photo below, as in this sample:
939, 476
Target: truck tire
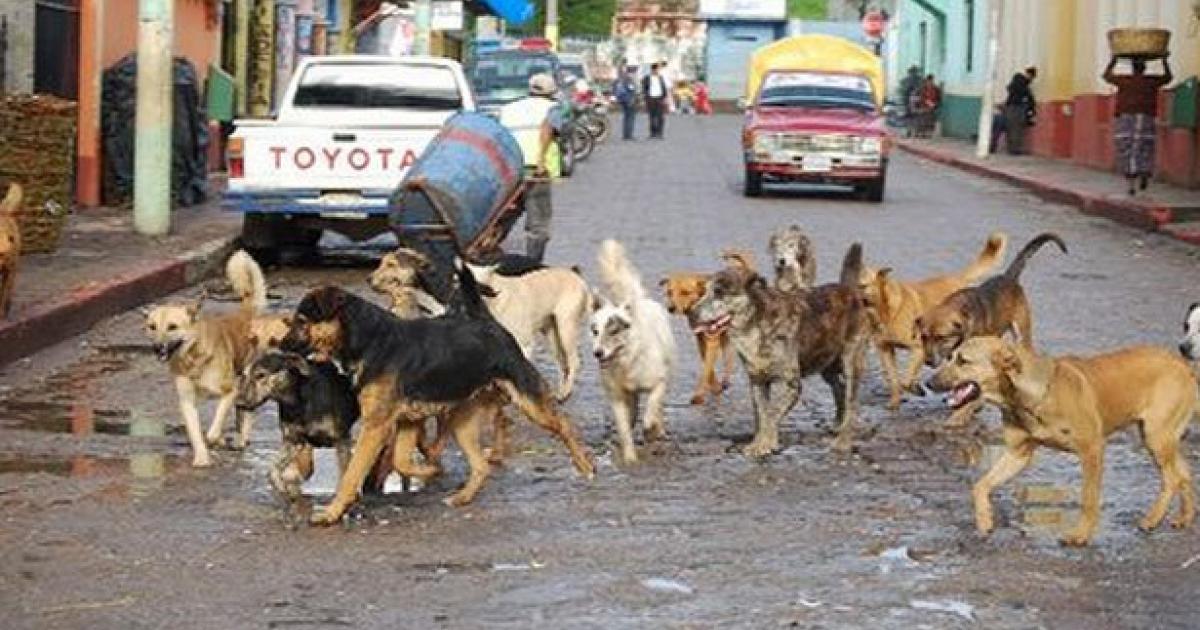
753, 187
566, 159
874, 190
265, 237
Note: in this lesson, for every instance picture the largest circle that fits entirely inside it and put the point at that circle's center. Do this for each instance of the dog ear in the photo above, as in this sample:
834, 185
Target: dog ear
299, 364
193, 310
1006, 360
595, 303
664, 282
918, 324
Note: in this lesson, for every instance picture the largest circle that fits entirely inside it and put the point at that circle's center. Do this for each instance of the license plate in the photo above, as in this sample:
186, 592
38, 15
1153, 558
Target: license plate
341, 199
344, 215
817, 164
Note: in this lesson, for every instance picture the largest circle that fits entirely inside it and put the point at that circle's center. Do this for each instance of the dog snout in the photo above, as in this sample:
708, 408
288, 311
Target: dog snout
598, 353
1186, 348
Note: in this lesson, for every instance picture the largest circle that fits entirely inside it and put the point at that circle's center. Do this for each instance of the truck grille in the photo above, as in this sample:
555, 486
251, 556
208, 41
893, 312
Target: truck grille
822, 143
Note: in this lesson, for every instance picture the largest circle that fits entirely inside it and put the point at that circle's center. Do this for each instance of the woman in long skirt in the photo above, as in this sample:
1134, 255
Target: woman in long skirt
1134, 133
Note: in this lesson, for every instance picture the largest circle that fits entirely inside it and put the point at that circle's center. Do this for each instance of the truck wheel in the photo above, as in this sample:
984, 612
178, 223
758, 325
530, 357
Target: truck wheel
753, 183
873, 191
258, 238
566, 159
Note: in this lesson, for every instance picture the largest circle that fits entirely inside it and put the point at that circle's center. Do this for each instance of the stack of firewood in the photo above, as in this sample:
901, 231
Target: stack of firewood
38, 136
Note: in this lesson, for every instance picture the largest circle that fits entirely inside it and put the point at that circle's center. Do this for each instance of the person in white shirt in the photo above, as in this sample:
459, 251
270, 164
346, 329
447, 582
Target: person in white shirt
535, 121
654, 87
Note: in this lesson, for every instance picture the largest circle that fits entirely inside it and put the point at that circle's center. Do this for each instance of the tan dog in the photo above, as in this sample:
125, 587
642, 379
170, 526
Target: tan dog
683, 291
207, 355
894, 306
398, 277
266, 332
994, 308
10, 245
1073, 404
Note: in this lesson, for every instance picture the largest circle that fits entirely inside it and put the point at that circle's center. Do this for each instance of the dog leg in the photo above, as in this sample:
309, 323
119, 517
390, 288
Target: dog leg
730, 358
566, 345
852, 369
543, 414
1023, 323
654, 426
186, 390
760, 402
216, 431
1165, 450
1016, 456
245, 420
408, 435
433, 452
1092, 460
772, 411
370, 441
465, 424
887, 360
343, 456
279, 474
500, 427
962, 416
8, 276
912, 374
708, 376
623, 408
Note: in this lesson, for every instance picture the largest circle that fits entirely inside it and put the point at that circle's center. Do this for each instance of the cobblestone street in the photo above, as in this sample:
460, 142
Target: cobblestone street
105, 524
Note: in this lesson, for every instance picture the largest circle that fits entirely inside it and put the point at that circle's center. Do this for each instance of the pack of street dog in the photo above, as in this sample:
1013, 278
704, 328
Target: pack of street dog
456, 360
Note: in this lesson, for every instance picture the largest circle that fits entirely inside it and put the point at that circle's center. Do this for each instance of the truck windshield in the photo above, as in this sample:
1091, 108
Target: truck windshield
378, 86
494, 76
814, 90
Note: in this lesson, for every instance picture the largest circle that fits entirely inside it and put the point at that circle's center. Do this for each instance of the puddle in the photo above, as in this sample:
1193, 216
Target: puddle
325, 477
142, 473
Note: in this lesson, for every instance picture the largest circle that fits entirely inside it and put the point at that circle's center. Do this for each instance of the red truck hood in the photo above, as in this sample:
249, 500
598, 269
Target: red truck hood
847, 121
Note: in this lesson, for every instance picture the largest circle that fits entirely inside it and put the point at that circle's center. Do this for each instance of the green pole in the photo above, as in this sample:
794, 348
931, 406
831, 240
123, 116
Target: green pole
152, 147
423, 17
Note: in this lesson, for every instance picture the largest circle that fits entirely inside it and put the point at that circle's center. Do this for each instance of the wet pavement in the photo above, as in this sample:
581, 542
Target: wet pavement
105, 525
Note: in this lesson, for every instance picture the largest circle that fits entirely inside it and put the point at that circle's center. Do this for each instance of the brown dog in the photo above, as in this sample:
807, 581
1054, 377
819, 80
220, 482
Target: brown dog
683, 291
993, 308
10, 245
894, 306
1073, 404
784, 336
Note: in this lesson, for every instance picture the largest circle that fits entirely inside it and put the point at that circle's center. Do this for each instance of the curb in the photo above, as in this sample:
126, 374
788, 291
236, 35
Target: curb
1146, 216
82, 307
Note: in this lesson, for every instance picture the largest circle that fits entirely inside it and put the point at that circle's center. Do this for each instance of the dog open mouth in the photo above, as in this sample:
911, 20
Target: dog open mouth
167, 350
713, 326
963, 394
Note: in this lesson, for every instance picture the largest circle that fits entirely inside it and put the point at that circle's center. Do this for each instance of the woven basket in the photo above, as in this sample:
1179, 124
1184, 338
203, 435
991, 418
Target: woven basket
38, 136
1139, 42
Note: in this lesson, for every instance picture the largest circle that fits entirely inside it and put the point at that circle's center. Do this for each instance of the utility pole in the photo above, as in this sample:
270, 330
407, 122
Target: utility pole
423, 17
152, 147
552, 23
987, 102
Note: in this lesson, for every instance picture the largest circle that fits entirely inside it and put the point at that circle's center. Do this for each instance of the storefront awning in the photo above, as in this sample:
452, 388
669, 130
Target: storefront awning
511, 11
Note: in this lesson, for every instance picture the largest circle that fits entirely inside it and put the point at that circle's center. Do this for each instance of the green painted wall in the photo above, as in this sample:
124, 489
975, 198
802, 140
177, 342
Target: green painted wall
960, 116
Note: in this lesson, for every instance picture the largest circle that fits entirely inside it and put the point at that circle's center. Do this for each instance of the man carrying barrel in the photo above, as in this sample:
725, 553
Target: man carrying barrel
1137, 107
535, 122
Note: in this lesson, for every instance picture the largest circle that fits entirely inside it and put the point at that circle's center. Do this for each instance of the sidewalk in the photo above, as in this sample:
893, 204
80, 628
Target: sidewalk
102, 267
1165, 208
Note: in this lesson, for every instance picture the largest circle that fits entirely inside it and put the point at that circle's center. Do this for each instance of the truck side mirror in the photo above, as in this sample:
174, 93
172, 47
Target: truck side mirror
742, 104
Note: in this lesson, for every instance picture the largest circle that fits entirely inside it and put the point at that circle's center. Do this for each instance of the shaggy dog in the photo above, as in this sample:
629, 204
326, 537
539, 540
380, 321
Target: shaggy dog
207, 354
405, 371
683, 291
894, 306
783, 336
10, 246
631, 339
399, 277
996, 307
317, 408
1074, 404
794, 259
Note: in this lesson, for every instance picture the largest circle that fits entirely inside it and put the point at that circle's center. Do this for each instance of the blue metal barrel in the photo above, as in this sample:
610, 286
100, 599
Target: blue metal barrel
459, 187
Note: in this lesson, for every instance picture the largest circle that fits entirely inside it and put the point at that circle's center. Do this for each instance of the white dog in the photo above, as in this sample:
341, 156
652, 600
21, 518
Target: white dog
1190, 346
631, 338
549, 302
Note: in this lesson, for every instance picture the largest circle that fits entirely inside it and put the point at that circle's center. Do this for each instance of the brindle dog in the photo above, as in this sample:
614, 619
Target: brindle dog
783, 336
407, 371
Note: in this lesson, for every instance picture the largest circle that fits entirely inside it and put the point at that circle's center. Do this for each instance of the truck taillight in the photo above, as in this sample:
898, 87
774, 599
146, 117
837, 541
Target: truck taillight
747, 139
235, 159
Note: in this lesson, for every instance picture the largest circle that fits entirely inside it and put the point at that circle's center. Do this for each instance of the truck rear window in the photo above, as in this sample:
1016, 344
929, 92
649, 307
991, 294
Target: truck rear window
378, 86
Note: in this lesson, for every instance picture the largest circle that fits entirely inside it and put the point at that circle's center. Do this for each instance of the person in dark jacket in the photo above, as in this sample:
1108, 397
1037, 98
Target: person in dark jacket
1020, 109
626, 92
656, 91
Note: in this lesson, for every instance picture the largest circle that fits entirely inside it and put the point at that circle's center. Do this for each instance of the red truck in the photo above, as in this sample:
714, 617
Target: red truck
809, 124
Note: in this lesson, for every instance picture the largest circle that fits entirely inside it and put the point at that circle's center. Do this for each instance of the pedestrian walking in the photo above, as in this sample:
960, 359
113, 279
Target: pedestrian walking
1020, 110
999, 125
654, 87
1137, 107
626, 93
929, 100
908, 89
535, 121
703, 104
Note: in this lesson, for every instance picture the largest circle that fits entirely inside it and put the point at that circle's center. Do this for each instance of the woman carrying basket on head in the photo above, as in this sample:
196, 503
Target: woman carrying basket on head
1137, 107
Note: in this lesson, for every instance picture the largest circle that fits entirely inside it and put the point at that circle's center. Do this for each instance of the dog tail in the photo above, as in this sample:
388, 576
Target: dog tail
470, 291
247, 279
620, 279
12, 201
852, 266
990, 256
1018, 264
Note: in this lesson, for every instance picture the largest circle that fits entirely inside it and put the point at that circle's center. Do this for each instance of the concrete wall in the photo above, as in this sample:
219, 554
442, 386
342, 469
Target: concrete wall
18, 58
194, 37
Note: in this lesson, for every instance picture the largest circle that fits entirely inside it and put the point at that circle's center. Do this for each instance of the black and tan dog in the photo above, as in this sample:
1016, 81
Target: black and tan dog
994, 308
407, 371
783, 336
1073, 404
317, 408
683, 291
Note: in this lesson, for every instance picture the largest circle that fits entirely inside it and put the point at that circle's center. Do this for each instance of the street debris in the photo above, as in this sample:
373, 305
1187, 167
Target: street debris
517, 566
962, 609
667, 585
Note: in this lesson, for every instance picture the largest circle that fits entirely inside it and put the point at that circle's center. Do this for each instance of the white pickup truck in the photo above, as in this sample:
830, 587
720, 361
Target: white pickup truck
346, 133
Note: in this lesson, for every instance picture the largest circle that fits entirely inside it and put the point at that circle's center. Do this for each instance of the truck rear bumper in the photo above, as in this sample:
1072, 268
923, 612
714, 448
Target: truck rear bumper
837, 175
307, 204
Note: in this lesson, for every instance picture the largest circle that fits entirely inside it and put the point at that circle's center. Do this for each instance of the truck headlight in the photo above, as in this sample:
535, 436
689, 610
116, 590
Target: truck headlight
870, 145
765, 142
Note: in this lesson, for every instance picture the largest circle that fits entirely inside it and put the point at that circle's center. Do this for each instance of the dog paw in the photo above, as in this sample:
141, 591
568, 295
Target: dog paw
1182, 521
842, 444
459, 499
1075, 539
202, 462
324, 518
655, 433
1146, 525
215, 441
984, 523
894, 404
758, 450
697, 399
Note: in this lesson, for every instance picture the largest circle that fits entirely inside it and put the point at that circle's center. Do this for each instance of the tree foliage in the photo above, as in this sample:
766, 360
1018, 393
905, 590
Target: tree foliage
575, 17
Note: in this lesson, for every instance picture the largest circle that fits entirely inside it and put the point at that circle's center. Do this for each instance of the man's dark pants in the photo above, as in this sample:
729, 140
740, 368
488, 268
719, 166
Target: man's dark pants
628, 120
538, 211
654, 107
